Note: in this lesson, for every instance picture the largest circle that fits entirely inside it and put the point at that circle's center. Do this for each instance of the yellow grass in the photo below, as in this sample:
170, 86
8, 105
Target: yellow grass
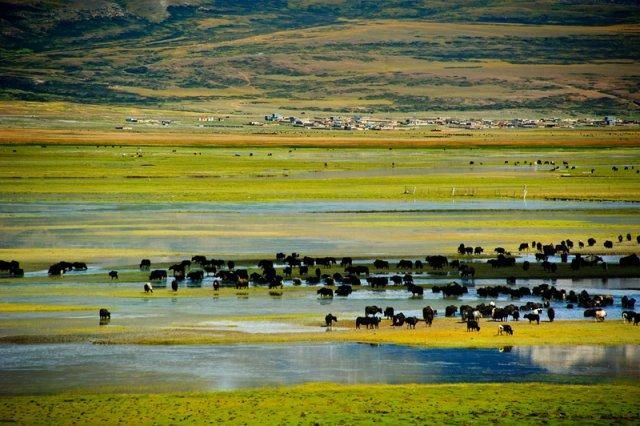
34, 307
448, 138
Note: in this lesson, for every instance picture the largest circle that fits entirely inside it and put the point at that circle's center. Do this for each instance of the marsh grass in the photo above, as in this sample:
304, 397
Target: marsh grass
323, 403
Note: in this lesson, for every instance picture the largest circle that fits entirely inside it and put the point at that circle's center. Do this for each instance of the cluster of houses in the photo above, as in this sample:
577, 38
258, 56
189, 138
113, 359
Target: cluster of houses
370, 123
148, 121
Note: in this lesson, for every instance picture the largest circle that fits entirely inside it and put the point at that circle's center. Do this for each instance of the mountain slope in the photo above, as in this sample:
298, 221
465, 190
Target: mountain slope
326, 55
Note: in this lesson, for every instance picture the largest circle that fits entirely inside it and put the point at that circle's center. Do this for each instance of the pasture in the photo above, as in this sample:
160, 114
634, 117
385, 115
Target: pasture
328, 404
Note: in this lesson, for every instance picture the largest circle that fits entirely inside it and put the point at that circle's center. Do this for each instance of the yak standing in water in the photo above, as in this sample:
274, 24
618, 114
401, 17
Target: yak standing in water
330, 319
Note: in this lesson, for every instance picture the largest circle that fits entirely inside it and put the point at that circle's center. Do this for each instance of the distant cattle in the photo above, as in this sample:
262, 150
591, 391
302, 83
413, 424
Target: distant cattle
158, 274
113, 275
145, 264
398, 320
377, 281
504, 328
628, 302
372, 310
369, 322
104, 314
472, 326
358, 269
343, 290
174, 285
325, 292
196, 276
601, 314
388, 312
427, 315
411, 322
415, 290
450, 311
330, 319
532, 317
148, 288
608, 244
405, 264
437, 262
381, 264
551, 313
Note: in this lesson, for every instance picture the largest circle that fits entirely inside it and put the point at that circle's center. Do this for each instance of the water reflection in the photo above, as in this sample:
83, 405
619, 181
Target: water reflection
616, 360
130, 368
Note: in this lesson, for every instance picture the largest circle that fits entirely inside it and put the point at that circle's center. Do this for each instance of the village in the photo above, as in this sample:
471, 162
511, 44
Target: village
371, 123
362, 123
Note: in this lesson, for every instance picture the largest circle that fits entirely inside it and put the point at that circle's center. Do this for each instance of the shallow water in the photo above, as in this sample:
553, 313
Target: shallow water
29, 369
152, 311
388, 228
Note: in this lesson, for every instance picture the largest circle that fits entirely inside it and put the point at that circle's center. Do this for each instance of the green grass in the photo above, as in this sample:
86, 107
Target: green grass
115, 174
342, 404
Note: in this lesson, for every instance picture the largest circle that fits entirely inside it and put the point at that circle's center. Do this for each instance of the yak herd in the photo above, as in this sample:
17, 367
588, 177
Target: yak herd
225, 273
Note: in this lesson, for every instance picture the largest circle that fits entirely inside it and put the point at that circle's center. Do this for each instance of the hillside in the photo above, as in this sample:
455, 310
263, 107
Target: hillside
548, 57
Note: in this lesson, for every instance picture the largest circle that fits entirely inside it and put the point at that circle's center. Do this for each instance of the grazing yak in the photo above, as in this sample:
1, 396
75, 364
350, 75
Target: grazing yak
104, 314
174, 285
148, 288
325, 292
450, 311
381, 264
472, 326
500, 314
415, 290
195, 276
357, 270
404, 264
369, 322
504, 328
467, 271
145, 264
628, 316
427, 314
628, 302
411, 322
343, 290
113, 275
398, 320
375, 282
437, 262
600, 315
532, 317
330, 319
388, 312
551, 313
157, 275
372, 310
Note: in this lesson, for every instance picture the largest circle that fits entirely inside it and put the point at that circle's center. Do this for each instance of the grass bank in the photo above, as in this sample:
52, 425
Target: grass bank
342, 404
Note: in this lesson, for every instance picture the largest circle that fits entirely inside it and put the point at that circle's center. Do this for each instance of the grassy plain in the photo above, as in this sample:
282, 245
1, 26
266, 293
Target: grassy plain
245, 167
345, 404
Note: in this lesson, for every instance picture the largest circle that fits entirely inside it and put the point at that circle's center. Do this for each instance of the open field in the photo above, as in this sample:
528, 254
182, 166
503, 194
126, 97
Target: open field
174, 173
330, 404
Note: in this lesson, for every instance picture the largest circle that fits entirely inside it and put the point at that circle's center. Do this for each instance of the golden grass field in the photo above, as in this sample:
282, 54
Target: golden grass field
347, 404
